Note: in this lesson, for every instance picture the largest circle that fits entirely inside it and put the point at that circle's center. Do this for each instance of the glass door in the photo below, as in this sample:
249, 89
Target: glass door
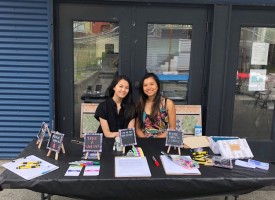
96, 42
171, 44
90, 55
251, 80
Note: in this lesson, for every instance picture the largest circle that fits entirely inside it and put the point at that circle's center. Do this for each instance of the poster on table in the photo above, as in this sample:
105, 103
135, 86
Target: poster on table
42, 131
127, 137
174, 138
92, 142
55, 142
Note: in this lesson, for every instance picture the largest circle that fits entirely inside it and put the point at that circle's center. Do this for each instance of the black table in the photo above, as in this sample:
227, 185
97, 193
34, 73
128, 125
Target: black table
212, 181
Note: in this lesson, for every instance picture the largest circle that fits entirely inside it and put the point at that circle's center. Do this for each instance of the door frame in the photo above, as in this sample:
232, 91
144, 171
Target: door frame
132, 51
241, 18
65, 62
198, 18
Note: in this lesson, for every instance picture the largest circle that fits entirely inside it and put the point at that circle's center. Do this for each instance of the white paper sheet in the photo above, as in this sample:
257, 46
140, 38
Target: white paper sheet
131, 167
259, 53
73, 170
257, 80
28, 174
92, 170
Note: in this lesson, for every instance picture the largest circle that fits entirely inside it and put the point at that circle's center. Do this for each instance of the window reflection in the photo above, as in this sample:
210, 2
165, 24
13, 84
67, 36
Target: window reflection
168, 55
255, 83
96, 52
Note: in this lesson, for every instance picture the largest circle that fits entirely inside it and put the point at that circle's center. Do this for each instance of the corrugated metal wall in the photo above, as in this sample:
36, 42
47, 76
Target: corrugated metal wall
25, 72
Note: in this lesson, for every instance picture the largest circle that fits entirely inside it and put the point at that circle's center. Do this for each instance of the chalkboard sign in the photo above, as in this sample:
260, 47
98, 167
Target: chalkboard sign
127, 137
92, 142
55, 142
174, 138
42, 131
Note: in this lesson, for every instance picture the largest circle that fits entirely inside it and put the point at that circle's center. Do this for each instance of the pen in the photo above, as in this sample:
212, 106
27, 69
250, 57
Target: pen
45, 172
72, 170
155, 161
168, 156
200, 156
84, 163
30, 162
200, 153
90, 162
27, 167
93, 170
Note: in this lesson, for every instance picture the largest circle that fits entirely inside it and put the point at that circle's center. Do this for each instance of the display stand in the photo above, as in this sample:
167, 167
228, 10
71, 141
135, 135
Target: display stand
174, 138
55, 143
127, 138
179, 150
41, 134
92, 143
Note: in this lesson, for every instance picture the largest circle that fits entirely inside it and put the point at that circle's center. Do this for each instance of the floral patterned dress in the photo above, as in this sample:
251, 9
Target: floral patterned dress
158, 127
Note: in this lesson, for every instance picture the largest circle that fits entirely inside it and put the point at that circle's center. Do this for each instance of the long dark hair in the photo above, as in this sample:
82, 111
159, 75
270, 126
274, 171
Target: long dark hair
127, 101
143, 97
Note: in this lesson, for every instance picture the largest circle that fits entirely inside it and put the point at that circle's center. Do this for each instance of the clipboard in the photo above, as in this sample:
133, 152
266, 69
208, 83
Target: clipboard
28, 174
131, 167
171, 168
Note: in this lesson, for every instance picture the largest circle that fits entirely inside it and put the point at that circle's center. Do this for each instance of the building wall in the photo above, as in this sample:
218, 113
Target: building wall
25, 72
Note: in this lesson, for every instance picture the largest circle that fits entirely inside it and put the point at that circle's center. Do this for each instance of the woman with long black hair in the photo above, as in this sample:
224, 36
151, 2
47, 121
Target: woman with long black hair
118, 111
155, 114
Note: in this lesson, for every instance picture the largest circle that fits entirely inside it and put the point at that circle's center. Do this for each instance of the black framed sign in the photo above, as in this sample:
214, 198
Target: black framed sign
92, 142
174, 138
55, 142
127, 137
42, 131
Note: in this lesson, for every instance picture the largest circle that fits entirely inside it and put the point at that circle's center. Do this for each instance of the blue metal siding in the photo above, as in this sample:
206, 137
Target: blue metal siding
25, 72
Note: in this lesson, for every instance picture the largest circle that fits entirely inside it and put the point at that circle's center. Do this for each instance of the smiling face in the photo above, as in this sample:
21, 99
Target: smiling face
121, 89
150, 87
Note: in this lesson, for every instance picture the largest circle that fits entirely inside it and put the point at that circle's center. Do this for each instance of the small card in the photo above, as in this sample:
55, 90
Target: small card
73, 170
92, 170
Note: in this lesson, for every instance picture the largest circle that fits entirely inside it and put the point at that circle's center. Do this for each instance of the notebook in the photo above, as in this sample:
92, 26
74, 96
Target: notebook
172, 168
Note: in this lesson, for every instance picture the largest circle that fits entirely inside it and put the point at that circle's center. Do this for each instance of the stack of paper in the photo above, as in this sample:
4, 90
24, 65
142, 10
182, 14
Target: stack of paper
235, 149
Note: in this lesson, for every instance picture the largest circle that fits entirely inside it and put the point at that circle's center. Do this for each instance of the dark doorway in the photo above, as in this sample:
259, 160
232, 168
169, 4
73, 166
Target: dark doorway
96, 42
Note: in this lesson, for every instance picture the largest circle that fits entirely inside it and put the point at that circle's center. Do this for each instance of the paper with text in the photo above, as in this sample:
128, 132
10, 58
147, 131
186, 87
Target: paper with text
28, 174
131, 167
91, 170
73, 170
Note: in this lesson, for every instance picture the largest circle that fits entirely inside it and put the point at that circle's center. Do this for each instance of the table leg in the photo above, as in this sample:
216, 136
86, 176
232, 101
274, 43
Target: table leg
45, 196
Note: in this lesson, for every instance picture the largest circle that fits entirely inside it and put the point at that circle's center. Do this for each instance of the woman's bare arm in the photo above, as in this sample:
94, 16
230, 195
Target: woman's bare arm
106, 130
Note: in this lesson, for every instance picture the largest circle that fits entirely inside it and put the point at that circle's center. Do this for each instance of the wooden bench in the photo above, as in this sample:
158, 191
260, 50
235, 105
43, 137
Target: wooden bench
88, 123
187, 117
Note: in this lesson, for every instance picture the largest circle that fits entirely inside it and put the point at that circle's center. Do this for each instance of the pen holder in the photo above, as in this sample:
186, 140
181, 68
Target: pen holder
118, 144
198, 131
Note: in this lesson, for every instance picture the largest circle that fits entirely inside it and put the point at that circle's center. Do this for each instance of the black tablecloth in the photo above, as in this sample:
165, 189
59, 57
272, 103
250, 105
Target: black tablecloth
212, 181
